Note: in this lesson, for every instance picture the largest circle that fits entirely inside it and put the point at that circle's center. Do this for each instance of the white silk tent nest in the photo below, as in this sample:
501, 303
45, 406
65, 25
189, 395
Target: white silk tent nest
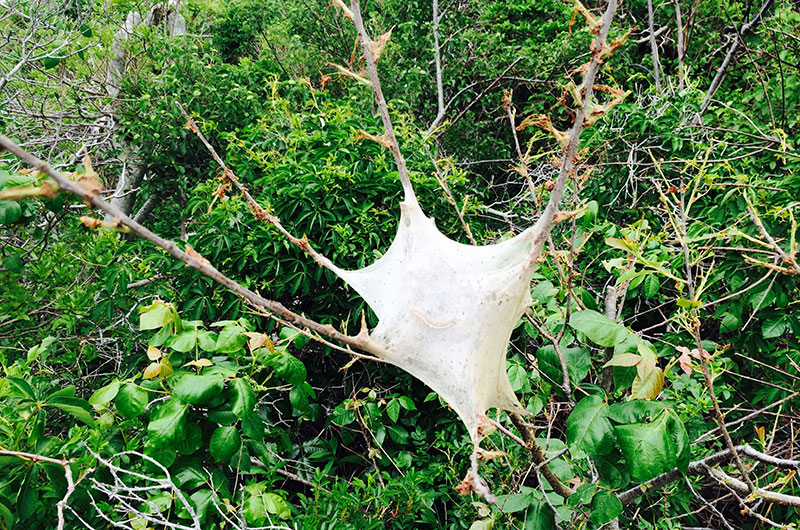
446, 311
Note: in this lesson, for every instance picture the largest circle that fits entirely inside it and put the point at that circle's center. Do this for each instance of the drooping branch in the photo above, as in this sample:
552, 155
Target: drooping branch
191, 258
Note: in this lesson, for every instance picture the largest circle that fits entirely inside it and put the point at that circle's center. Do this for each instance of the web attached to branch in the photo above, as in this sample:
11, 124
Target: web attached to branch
446, 312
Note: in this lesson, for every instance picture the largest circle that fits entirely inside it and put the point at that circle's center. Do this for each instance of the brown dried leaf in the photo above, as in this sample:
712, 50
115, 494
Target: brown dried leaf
89, 180
196, 256
483, 454
115, 224
382, 140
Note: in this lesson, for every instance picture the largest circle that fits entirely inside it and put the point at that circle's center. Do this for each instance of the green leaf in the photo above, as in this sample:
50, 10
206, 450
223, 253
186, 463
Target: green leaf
10, 212
298, 399
730, 323
131, 400
482, 524
588, 428
393, 410
22, 388
50, 62
578, 361
231, 339
773, 327
225, 442
650, 286
539, 516
649, 448
193, 440
242, 397
168, 423
635, 411
618, 244
407, 403
253, 426
156, 315
104, 395
28, 497
197, 389
13, 262
605, 507
290, 368
598, 328
74, 406
184, 342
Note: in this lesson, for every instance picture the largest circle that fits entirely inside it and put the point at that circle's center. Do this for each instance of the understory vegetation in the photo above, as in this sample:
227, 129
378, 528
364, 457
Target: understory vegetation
659, 358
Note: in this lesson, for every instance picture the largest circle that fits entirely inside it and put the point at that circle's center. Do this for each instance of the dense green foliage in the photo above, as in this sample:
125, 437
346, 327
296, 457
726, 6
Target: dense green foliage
136, 368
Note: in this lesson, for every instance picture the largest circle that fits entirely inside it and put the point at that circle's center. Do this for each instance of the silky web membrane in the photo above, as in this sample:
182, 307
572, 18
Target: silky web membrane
446, 311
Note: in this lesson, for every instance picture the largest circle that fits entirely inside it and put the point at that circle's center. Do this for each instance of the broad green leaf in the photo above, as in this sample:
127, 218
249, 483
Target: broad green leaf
482, 524
650, 286
104, 395
605, 507
393, 410
290, 368
773, 327
635, 411
649, 448
164, 455
168, 423
578, 361
184, 342
131, 400
619, 244
582, 495
588, 428
242, 397
518, 378
74, 406
515, 502
28, 496
193, 440
407, 403
231, 339
253, 426
730, 323
539, 516
225, 442
13, 262
624, 359
22, 388
201, 500
10, 212
298, 399
598, 328
50, 62
197, 389
156, 315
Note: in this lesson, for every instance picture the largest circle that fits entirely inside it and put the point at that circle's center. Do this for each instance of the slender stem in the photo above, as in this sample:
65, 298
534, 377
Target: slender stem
383, 109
